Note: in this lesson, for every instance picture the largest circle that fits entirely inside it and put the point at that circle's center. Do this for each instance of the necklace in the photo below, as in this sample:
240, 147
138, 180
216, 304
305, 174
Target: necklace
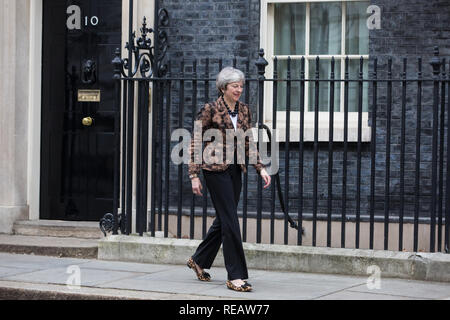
236, 108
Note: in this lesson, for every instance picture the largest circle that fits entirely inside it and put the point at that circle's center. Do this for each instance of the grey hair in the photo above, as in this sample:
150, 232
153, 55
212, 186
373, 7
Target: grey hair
228, 75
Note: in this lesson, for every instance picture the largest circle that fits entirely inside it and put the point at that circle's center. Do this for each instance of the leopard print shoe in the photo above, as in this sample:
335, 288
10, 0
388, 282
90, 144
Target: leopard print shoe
242, 288
202, 276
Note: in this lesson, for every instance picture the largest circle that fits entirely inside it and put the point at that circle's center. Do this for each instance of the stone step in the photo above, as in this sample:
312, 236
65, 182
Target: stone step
53, 228
49, 246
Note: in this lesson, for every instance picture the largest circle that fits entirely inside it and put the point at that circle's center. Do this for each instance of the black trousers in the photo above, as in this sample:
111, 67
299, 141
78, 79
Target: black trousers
224, 188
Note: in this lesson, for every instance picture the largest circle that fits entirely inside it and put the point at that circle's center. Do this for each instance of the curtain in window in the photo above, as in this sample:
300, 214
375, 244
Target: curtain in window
357, 33
326, 28
353, 87
290, 20
357, 42
295, 86
325, 38
324, 86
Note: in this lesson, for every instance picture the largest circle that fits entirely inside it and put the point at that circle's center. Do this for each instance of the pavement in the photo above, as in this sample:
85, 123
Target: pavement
35, 277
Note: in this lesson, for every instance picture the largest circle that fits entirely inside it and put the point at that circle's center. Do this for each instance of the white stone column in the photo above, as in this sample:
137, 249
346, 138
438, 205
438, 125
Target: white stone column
14, 57
142, 8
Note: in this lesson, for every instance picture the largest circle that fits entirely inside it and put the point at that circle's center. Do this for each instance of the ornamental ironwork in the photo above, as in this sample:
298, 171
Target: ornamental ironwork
147, 55
146, 59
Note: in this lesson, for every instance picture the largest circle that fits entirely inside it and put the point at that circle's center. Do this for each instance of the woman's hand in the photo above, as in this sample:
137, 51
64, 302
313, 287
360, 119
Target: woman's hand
266, 178
197, 186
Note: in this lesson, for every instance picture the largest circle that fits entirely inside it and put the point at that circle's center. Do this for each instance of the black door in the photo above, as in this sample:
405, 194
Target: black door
79, 39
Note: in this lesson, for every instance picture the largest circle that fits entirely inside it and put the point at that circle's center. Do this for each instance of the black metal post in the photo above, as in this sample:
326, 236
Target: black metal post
194, 112
153, 165
417, 171
160, 94
129, 174
145, 134
261, 64
316, 151
373, 152
447, 188
274, 127
436, 64
286, 149
168, 144
344, 161
180, 167
117, 62
388, 155
330, 153
205, 192
245, 191
358, 158
139, 160
124, 153
402, 159
441, 157
301, 152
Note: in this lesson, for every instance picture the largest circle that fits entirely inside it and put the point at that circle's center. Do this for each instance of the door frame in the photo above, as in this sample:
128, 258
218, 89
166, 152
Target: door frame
34, 108
143, 7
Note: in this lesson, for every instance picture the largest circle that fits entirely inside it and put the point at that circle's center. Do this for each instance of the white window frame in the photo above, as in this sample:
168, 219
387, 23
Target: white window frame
267, 42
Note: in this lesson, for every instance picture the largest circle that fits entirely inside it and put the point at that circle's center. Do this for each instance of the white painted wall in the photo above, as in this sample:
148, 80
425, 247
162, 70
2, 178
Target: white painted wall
14, 98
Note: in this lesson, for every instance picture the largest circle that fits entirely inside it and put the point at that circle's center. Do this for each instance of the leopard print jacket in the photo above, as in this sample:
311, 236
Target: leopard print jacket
213, 157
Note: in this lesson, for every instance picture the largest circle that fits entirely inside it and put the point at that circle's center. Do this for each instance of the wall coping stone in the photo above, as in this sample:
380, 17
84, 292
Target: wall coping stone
392, 264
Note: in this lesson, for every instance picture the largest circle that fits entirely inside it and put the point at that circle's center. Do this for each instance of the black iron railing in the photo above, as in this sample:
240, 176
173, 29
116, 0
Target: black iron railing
399, 177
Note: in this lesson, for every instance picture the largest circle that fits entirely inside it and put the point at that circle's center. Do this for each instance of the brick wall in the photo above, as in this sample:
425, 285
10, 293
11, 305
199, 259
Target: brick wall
215, 29
409, 29
230, 29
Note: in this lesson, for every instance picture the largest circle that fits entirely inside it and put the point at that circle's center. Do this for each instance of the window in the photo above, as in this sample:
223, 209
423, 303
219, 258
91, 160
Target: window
313, 29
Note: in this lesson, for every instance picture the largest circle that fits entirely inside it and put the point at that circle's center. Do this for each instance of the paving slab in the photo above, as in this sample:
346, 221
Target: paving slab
186, 287
353, 295
287, 285
88, 277
10, 271
408, 288
38, 291
270, 287
127, 266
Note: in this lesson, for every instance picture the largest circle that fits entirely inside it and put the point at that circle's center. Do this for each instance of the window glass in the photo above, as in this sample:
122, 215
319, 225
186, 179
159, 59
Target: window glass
357, 33
353, 87
326, 28
295, 85
325, 24
324, 86
289, 24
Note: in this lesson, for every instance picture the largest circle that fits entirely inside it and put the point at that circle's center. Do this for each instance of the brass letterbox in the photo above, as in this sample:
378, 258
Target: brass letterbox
89, 95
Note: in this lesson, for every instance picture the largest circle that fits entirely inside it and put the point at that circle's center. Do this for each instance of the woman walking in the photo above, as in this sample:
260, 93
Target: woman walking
224, 180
